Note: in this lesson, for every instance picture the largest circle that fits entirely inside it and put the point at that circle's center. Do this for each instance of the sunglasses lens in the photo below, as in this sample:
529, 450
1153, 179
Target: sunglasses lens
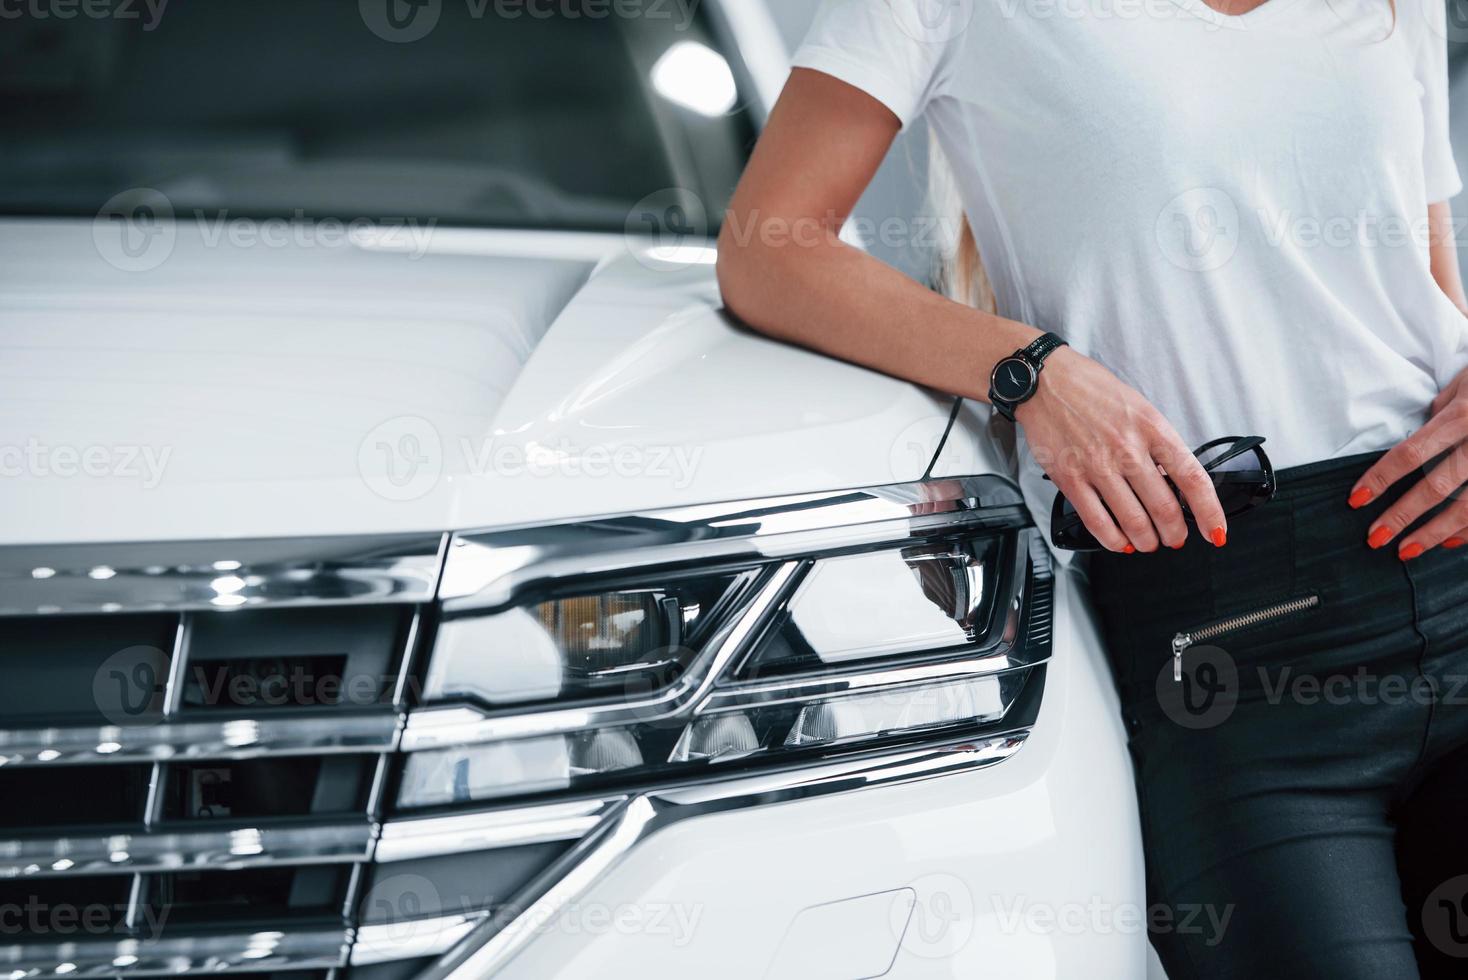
1068, 531
1242, 482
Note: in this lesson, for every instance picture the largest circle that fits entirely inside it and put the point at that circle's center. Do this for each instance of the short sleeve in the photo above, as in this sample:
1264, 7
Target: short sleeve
893, 50
1427, 28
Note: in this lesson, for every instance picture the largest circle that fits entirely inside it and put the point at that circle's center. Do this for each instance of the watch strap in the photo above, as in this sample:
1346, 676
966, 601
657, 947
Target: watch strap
1043, 347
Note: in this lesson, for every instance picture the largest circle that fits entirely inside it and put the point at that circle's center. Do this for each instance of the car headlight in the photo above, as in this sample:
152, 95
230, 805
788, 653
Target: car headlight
656, 667
578, 646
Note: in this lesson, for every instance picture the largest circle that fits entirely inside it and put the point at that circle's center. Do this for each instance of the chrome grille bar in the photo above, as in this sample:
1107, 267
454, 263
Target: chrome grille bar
238, 738
298, 949
111, 578
239, 847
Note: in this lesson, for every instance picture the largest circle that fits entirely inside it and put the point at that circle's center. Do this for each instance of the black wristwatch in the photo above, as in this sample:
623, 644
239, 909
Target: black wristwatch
1016, 378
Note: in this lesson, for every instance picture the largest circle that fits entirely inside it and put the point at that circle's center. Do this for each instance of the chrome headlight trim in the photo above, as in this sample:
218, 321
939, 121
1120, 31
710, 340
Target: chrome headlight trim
488, 570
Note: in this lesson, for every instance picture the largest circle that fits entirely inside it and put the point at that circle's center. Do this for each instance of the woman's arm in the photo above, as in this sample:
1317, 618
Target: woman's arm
785, 272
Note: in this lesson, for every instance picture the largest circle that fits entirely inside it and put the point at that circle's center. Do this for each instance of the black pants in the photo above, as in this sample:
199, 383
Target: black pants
1304, 787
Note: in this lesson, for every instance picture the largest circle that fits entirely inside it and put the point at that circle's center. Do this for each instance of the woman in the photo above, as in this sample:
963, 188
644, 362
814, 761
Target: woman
1235, 213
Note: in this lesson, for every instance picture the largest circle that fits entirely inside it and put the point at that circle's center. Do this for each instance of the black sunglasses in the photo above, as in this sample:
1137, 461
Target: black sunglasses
1241, 472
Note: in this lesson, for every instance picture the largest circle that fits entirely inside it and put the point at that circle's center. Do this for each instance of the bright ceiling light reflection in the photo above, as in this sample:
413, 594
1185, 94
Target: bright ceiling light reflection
226, 584
42, 572
242, 732
226, 565
101, 573
696, 77
243, 843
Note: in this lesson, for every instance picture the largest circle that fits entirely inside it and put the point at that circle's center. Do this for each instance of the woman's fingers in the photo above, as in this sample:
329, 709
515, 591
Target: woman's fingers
1127, 508
1445, 482
1447, 428
1195, 485
1162, 505
1448, 530
1096, 517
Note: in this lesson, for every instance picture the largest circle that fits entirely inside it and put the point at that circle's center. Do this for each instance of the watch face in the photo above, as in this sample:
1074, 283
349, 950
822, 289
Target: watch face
1014, 379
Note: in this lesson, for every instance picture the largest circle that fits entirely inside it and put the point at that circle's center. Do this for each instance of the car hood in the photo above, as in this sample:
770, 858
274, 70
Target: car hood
241, 388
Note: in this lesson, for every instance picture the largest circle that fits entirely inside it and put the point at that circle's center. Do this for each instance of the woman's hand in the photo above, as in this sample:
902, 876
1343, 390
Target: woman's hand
1107, 449
1445, 435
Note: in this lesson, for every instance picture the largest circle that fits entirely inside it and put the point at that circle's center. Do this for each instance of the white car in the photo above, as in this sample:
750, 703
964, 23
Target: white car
409, 570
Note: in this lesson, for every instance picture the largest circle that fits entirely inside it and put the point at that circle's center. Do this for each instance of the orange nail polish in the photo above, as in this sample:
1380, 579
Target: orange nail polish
1361, 498
1129, 550
1179, 547
1219, 537
1453, 544
1412, 551
1380, 537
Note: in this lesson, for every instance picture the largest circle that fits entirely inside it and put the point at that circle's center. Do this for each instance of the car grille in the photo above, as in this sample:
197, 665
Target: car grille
202, 741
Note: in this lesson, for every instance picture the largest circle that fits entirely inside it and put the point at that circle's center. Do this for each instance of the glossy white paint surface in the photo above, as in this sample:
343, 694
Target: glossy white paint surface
243, 390
1030, 870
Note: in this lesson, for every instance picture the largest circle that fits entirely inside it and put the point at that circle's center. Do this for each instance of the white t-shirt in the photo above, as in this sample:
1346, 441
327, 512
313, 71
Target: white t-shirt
1229, 212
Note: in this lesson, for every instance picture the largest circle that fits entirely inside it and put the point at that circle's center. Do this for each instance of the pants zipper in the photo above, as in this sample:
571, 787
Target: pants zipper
1182, 641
